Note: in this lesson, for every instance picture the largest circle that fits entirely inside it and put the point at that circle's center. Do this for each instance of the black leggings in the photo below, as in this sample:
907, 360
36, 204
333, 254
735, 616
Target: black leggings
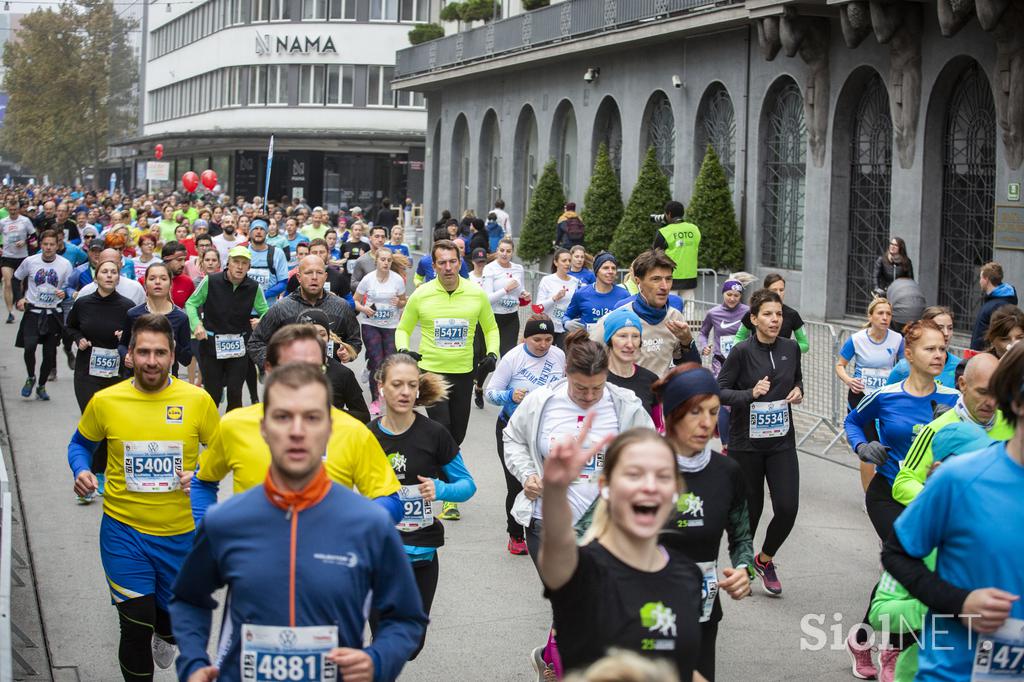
218, 374
252, 382
508, 330
782, 471
86, 386
512, 485
453, 413
706, 657
852, 401
425, 573
140, 618
49, 343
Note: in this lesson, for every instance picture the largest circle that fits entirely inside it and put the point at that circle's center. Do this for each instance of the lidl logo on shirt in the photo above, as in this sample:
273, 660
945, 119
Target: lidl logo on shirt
661, 620
175, 414
397, 461
691, 506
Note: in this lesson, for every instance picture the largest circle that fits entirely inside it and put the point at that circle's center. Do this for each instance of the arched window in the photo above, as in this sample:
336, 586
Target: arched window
968, 192
527, 164
870, 193
716, 126
661, 133
564, 142
460, 165
608, 131
490, 163
785, 167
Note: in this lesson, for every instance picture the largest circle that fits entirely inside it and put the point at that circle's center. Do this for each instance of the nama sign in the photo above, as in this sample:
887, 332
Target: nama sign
294, 45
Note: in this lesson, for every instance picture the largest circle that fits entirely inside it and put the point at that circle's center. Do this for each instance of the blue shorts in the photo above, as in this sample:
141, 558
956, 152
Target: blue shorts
137, 564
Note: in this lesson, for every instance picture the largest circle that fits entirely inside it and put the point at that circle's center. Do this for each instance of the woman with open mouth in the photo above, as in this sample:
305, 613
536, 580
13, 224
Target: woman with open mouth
715, 501
621, 589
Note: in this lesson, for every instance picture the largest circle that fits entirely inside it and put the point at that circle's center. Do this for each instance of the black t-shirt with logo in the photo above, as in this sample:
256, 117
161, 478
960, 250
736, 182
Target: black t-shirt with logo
715, 503
608, 604
423, 450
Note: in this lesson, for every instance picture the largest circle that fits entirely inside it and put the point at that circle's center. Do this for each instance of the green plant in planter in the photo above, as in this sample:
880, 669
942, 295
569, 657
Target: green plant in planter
421, 33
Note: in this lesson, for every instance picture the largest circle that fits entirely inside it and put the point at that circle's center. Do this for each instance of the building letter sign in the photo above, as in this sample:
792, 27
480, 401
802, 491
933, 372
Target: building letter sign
265, 45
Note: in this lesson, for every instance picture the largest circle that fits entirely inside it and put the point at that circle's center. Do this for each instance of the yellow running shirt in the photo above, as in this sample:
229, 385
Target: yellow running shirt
354, 457
149, 435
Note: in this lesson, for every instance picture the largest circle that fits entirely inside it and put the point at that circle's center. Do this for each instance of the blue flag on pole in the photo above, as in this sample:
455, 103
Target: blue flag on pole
270, 160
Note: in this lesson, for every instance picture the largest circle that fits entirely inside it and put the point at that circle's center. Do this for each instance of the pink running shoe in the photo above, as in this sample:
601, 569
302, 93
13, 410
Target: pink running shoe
887, 658
769, 578
517, 547
860, 655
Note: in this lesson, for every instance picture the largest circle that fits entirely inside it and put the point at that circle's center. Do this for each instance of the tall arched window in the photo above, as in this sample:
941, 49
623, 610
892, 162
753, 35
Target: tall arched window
526, 163
968, 192
784, 170
564, 142
660, 133
716, 126
460, 165
490, 163
608, 131
870, 193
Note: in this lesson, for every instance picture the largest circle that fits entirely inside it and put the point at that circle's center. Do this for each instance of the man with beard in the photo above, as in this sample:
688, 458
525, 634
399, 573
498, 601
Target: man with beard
228, 238
174, 255
269, 264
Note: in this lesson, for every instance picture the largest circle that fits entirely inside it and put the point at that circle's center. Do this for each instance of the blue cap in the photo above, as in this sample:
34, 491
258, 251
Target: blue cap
619, 318
258, 223
602, 258
957, 439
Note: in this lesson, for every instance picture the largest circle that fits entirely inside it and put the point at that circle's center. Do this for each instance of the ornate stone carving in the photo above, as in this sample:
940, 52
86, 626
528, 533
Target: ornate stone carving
953, 15
905, 81
886, 17
768, 37
991, 11
1009, 91
809, 37
855, 21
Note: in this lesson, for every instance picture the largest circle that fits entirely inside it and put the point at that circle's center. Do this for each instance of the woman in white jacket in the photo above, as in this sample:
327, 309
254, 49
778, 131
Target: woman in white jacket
555, 292
553, 413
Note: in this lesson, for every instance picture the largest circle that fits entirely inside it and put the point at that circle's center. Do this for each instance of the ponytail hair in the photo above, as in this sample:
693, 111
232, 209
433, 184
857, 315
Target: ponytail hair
601, 518
432, 387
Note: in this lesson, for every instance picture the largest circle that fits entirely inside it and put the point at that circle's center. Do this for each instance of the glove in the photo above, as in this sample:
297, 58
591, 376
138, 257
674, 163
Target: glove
412, 354
488, 364
573, 325
873, 453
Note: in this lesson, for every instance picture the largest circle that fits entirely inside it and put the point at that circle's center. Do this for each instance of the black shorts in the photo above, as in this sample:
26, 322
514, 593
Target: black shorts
11, 263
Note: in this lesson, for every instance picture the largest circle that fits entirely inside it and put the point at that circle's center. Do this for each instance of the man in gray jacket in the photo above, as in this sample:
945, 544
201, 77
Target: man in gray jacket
310, 294
367, 263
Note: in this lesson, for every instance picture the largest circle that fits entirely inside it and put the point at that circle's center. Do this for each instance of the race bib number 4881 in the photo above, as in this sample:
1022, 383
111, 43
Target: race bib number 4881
277, 654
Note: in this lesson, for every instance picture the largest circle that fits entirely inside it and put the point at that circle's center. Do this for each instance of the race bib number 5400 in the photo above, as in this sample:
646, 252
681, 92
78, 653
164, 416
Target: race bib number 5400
151, 466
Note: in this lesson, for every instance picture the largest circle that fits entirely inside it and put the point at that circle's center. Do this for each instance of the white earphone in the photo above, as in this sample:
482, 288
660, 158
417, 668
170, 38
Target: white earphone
675, 498
604, 493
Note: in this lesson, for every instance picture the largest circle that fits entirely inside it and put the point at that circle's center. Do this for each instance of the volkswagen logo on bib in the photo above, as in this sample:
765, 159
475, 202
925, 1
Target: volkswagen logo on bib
287, 638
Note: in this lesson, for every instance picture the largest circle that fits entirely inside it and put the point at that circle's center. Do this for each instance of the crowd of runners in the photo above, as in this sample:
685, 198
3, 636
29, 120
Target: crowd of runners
208, 336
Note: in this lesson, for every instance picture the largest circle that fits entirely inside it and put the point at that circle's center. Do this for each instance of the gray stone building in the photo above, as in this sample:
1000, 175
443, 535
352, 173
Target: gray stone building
839, 124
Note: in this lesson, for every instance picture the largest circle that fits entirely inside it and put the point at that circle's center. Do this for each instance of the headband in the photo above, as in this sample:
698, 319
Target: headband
682, 387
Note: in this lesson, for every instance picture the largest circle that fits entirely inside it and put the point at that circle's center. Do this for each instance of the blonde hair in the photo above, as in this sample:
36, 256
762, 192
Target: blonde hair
875, 302
432, 389
601, 519
626, 666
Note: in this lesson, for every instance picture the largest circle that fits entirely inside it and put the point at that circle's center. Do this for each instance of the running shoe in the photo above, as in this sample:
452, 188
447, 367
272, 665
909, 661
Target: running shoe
87, 499
478, 397
41, 393
375, 408
545, 671
450, 512
769, 578
887, 658
101, 484
53, 374
860, 657
163, 653
26, 390
517, 547
71, 358
10, 318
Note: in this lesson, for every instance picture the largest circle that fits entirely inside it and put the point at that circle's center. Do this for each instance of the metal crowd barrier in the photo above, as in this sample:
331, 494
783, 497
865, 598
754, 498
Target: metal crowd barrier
6, 530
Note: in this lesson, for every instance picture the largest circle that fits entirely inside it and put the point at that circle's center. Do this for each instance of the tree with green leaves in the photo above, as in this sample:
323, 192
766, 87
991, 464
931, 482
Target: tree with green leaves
547, 203
711, 210
602, 204
635, 232
70, 76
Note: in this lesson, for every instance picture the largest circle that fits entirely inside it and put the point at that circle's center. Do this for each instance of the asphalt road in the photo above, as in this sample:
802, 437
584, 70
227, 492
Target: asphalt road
489, 612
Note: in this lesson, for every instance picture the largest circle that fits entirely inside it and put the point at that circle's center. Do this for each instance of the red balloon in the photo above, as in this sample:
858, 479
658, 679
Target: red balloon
159, 152
190, 181
209, 178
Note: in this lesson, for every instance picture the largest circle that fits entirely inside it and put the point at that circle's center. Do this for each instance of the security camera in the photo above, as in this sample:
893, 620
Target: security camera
592, 74
677, 82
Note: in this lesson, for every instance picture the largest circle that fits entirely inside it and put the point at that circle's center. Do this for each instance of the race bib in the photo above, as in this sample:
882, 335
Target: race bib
229, 346
416, 512
451, 333
277, 654
104, 363
769, 419
1000, 656
592, 469
725, 343
558, 313
508, 303
47, 298
383, 312
150, 465
709, 590
261, 275
350, 265
874, 378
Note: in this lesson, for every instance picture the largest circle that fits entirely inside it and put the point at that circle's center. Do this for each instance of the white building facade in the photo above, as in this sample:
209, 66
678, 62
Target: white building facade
220, 77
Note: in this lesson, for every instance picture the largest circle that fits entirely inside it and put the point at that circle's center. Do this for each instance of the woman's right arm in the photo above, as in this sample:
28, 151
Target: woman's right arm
497, 391
729, 377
